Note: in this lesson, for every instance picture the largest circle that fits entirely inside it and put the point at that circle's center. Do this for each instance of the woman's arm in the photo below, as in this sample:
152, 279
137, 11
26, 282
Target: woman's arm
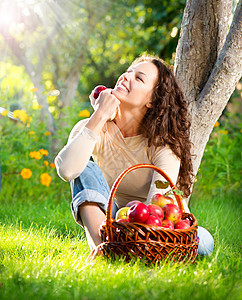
73, 158
168, 162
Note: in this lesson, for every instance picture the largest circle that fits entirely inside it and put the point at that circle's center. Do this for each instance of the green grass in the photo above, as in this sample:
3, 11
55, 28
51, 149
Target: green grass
43, 251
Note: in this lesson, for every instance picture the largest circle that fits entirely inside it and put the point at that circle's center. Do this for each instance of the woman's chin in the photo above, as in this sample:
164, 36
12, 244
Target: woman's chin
118, 94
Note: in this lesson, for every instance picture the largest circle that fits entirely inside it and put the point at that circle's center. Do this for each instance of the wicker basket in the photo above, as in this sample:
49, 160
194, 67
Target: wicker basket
152, 243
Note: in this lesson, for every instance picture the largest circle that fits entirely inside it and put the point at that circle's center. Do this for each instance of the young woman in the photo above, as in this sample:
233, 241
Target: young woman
151, 126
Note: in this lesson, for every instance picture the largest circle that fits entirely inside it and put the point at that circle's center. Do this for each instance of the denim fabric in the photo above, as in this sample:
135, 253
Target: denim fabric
91, 186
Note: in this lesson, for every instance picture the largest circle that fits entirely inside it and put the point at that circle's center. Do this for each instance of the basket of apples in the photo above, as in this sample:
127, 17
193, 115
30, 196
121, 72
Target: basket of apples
155, 232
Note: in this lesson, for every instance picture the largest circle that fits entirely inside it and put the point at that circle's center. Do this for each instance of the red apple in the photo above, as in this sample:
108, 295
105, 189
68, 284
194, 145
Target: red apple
156, 210
161, 200
167, 224
132, 203
172, 212
182, 224
122, 213
153, 220
188, 221
138, 213
98, 89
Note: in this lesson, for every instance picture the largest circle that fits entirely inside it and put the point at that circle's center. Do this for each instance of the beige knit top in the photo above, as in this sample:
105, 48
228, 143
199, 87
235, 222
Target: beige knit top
114, 153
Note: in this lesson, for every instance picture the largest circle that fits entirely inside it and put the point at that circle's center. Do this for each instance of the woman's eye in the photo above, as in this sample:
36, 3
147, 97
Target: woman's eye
139, 78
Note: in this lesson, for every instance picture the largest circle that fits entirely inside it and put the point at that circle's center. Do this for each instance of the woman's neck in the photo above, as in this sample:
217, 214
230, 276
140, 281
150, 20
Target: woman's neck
128, 123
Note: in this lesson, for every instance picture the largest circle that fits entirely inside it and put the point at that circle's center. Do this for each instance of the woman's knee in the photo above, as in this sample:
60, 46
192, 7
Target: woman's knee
89, 187
91, 178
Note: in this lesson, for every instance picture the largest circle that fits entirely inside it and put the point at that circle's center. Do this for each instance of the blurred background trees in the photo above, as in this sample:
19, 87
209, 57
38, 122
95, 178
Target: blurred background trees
53, 53
66, 48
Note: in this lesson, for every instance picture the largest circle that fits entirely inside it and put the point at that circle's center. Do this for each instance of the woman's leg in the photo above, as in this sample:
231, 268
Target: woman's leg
206, 242
92, 217
90, 193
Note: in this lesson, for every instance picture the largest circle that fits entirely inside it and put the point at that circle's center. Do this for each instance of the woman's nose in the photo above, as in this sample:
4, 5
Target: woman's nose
127, 76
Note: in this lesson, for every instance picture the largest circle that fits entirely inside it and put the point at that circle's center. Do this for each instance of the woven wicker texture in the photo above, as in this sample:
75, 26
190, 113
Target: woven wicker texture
152, 243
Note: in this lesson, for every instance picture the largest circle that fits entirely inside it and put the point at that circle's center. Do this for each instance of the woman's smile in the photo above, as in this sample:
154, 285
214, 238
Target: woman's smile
121, 86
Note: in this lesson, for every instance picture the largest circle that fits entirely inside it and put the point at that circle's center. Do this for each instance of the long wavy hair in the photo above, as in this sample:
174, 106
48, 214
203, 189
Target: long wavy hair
168, 122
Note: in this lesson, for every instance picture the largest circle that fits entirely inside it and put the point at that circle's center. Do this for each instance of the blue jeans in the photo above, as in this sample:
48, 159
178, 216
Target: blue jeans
91, 186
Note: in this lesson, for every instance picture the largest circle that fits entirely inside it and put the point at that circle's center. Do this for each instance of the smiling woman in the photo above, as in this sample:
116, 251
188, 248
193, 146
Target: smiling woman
151, 126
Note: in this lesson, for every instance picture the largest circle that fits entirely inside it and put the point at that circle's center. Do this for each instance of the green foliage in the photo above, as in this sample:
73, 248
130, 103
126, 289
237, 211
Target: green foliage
222, 159
160, 18
102, 38
24, 138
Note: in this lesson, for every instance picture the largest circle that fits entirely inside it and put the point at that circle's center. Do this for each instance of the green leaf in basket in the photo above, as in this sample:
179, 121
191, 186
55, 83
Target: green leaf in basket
178, 192
161, 184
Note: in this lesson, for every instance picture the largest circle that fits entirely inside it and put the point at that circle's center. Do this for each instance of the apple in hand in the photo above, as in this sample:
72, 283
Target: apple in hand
182, 224
132, 203
161, 200
138, 213
167, 224
172, 212
122, 213
156, 211
153, 220
98, 89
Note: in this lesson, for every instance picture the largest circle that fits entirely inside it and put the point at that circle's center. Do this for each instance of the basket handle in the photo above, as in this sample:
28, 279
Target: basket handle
116, 185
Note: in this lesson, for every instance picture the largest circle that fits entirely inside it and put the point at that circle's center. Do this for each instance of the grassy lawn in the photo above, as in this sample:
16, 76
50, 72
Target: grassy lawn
43, 252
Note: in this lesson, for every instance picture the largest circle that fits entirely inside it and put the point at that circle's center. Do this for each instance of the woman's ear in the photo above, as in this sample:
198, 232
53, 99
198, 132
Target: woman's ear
149, 104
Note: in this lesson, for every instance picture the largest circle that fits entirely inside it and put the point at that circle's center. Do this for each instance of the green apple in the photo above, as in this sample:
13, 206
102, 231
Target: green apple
122, 213
161, 200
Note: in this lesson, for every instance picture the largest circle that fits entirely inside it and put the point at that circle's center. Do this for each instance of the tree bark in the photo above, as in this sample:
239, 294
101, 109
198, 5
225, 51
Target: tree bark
208, 62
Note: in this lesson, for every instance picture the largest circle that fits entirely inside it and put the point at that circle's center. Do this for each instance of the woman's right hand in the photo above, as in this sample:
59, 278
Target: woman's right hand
106, 104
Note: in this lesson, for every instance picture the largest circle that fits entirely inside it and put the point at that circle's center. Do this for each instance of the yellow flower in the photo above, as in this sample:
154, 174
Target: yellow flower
31, 132
36, 106
34, 89
4, 113
84, 113
52, 165
21, 115
35, 154
26, 173
216, 124
47, 133
44, 152
46, 163
45, 179
225, 132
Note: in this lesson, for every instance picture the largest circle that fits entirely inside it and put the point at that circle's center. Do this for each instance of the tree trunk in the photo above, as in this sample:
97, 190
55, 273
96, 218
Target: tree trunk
71, 82
208, 62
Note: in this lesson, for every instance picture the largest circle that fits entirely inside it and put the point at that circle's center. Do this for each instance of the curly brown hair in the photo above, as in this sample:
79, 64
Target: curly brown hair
168, 122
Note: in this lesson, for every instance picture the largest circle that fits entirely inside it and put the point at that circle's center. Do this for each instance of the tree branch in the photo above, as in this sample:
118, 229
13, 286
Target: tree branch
228, 68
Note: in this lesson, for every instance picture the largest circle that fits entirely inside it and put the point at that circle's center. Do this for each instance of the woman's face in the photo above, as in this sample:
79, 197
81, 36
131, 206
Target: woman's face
134, 88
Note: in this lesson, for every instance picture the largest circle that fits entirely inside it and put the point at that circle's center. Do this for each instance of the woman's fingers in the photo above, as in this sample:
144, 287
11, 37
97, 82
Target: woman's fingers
107, 103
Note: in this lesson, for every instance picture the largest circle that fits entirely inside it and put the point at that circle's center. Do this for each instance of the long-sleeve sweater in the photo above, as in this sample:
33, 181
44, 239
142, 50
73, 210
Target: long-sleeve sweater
115, 153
